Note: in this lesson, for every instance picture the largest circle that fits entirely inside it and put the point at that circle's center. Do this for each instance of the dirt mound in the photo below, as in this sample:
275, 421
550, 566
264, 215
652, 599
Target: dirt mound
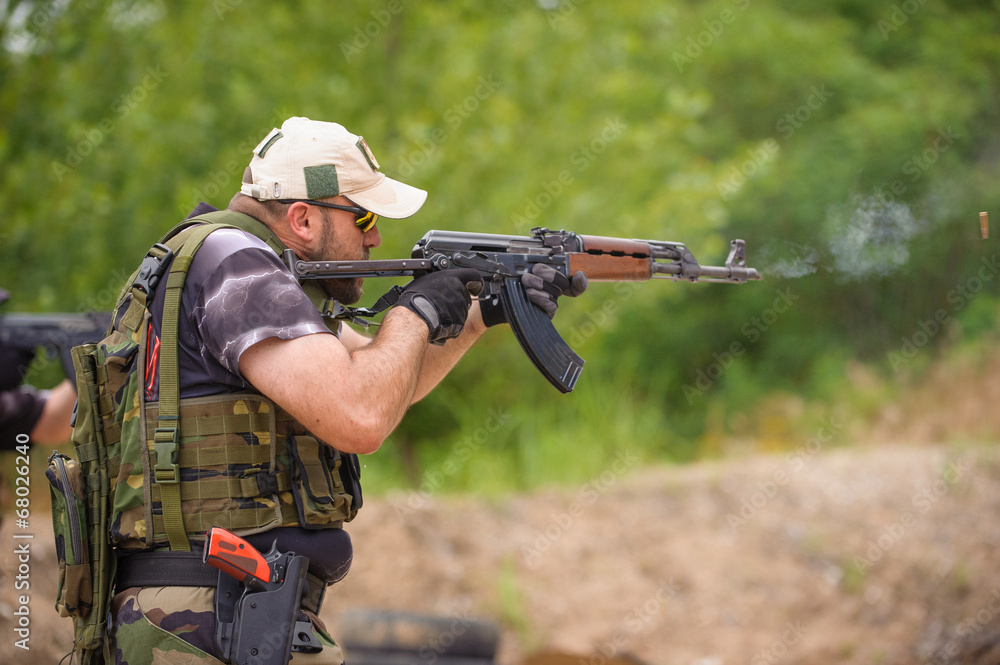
854, 555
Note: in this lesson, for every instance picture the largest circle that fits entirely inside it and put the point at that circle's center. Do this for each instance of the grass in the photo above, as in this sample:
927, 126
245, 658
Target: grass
507, 443
512, 610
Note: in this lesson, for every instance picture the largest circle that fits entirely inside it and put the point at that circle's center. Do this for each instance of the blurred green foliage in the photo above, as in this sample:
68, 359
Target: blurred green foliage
851, 143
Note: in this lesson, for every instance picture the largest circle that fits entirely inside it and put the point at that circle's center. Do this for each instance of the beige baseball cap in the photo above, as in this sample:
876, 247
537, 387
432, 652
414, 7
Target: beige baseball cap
311, 159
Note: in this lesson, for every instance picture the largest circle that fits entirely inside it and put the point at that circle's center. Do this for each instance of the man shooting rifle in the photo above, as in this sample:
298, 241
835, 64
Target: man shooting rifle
229, 394
253, 406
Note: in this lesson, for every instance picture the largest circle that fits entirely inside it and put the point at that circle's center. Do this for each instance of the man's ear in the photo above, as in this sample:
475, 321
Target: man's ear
300, 221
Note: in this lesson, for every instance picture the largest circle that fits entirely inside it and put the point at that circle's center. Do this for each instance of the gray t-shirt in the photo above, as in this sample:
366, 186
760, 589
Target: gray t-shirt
237, 293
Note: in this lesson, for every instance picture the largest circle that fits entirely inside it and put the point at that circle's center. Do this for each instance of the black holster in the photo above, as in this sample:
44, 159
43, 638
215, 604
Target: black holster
263, 627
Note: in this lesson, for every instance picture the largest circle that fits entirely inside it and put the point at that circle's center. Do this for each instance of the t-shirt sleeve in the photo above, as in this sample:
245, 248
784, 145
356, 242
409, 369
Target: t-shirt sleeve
246, 295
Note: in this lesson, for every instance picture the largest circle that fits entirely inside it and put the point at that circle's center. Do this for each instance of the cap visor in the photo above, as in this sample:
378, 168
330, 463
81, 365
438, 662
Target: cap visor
390, 198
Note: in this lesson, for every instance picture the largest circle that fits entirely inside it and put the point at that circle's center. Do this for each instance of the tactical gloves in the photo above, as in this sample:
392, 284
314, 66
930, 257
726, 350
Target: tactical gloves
442, 300
543, 285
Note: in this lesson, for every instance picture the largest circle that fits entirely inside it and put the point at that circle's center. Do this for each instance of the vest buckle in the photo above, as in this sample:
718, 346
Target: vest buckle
152, 268
166, 442
267, 483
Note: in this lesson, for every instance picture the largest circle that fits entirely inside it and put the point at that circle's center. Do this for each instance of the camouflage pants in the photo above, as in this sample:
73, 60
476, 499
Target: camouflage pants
175, 625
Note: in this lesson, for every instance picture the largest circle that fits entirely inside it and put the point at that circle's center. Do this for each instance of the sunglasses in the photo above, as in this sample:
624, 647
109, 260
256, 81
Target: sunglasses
365, 222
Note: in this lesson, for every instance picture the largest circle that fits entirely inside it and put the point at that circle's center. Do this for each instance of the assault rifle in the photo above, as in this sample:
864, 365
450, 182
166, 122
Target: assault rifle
57, 334
502, 259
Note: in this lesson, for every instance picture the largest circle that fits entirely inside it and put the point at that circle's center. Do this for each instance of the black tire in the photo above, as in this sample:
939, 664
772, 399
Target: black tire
383, 637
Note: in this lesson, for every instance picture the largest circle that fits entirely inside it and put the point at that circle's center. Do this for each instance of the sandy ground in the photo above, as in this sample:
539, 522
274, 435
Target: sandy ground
855, 555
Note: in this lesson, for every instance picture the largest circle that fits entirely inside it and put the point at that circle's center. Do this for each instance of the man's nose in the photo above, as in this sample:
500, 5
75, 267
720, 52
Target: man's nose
372, 237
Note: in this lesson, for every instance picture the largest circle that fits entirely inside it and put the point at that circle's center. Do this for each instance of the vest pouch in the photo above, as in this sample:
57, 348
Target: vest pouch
75, 594
316, 484
350, 476
80, 490
121, 422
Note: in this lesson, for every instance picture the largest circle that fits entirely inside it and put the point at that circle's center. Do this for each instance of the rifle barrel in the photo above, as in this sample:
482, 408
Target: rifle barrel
730, 274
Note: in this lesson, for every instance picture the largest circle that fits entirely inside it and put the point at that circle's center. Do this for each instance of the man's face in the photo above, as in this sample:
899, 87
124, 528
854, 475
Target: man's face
342, 240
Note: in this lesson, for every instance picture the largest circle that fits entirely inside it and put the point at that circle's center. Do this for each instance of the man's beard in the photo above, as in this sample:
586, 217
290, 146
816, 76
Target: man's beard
346, 291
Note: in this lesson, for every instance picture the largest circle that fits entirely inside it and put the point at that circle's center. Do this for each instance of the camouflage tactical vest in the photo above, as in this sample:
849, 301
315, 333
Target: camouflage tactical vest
160, 473
234, 460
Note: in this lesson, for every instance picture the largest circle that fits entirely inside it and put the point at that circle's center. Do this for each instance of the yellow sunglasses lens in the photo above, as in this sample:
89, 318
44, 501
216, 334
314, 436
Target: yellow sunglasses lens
367, 222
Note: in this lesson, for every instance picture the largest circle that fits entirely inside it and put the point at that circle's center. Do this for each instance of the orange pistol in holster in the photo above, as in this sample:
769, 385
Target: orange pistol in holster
257, 616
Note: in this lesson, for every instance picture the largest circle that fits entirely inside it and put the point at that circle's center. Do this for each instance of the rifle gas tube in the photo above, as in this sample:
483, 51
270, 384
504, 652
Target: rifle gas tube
501, 261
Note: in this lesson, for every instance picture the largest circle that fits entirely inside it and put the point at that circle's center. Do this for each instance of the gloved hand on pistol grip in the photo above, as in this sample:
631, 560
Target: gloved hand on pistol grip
543, 285
442, 300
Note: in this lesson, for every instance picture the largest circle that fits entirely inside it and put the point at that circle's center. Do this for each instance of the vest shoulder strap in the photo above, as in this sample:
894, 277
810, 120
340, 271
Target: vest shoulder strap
167, 434
313, 290
236, 219
184, 240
